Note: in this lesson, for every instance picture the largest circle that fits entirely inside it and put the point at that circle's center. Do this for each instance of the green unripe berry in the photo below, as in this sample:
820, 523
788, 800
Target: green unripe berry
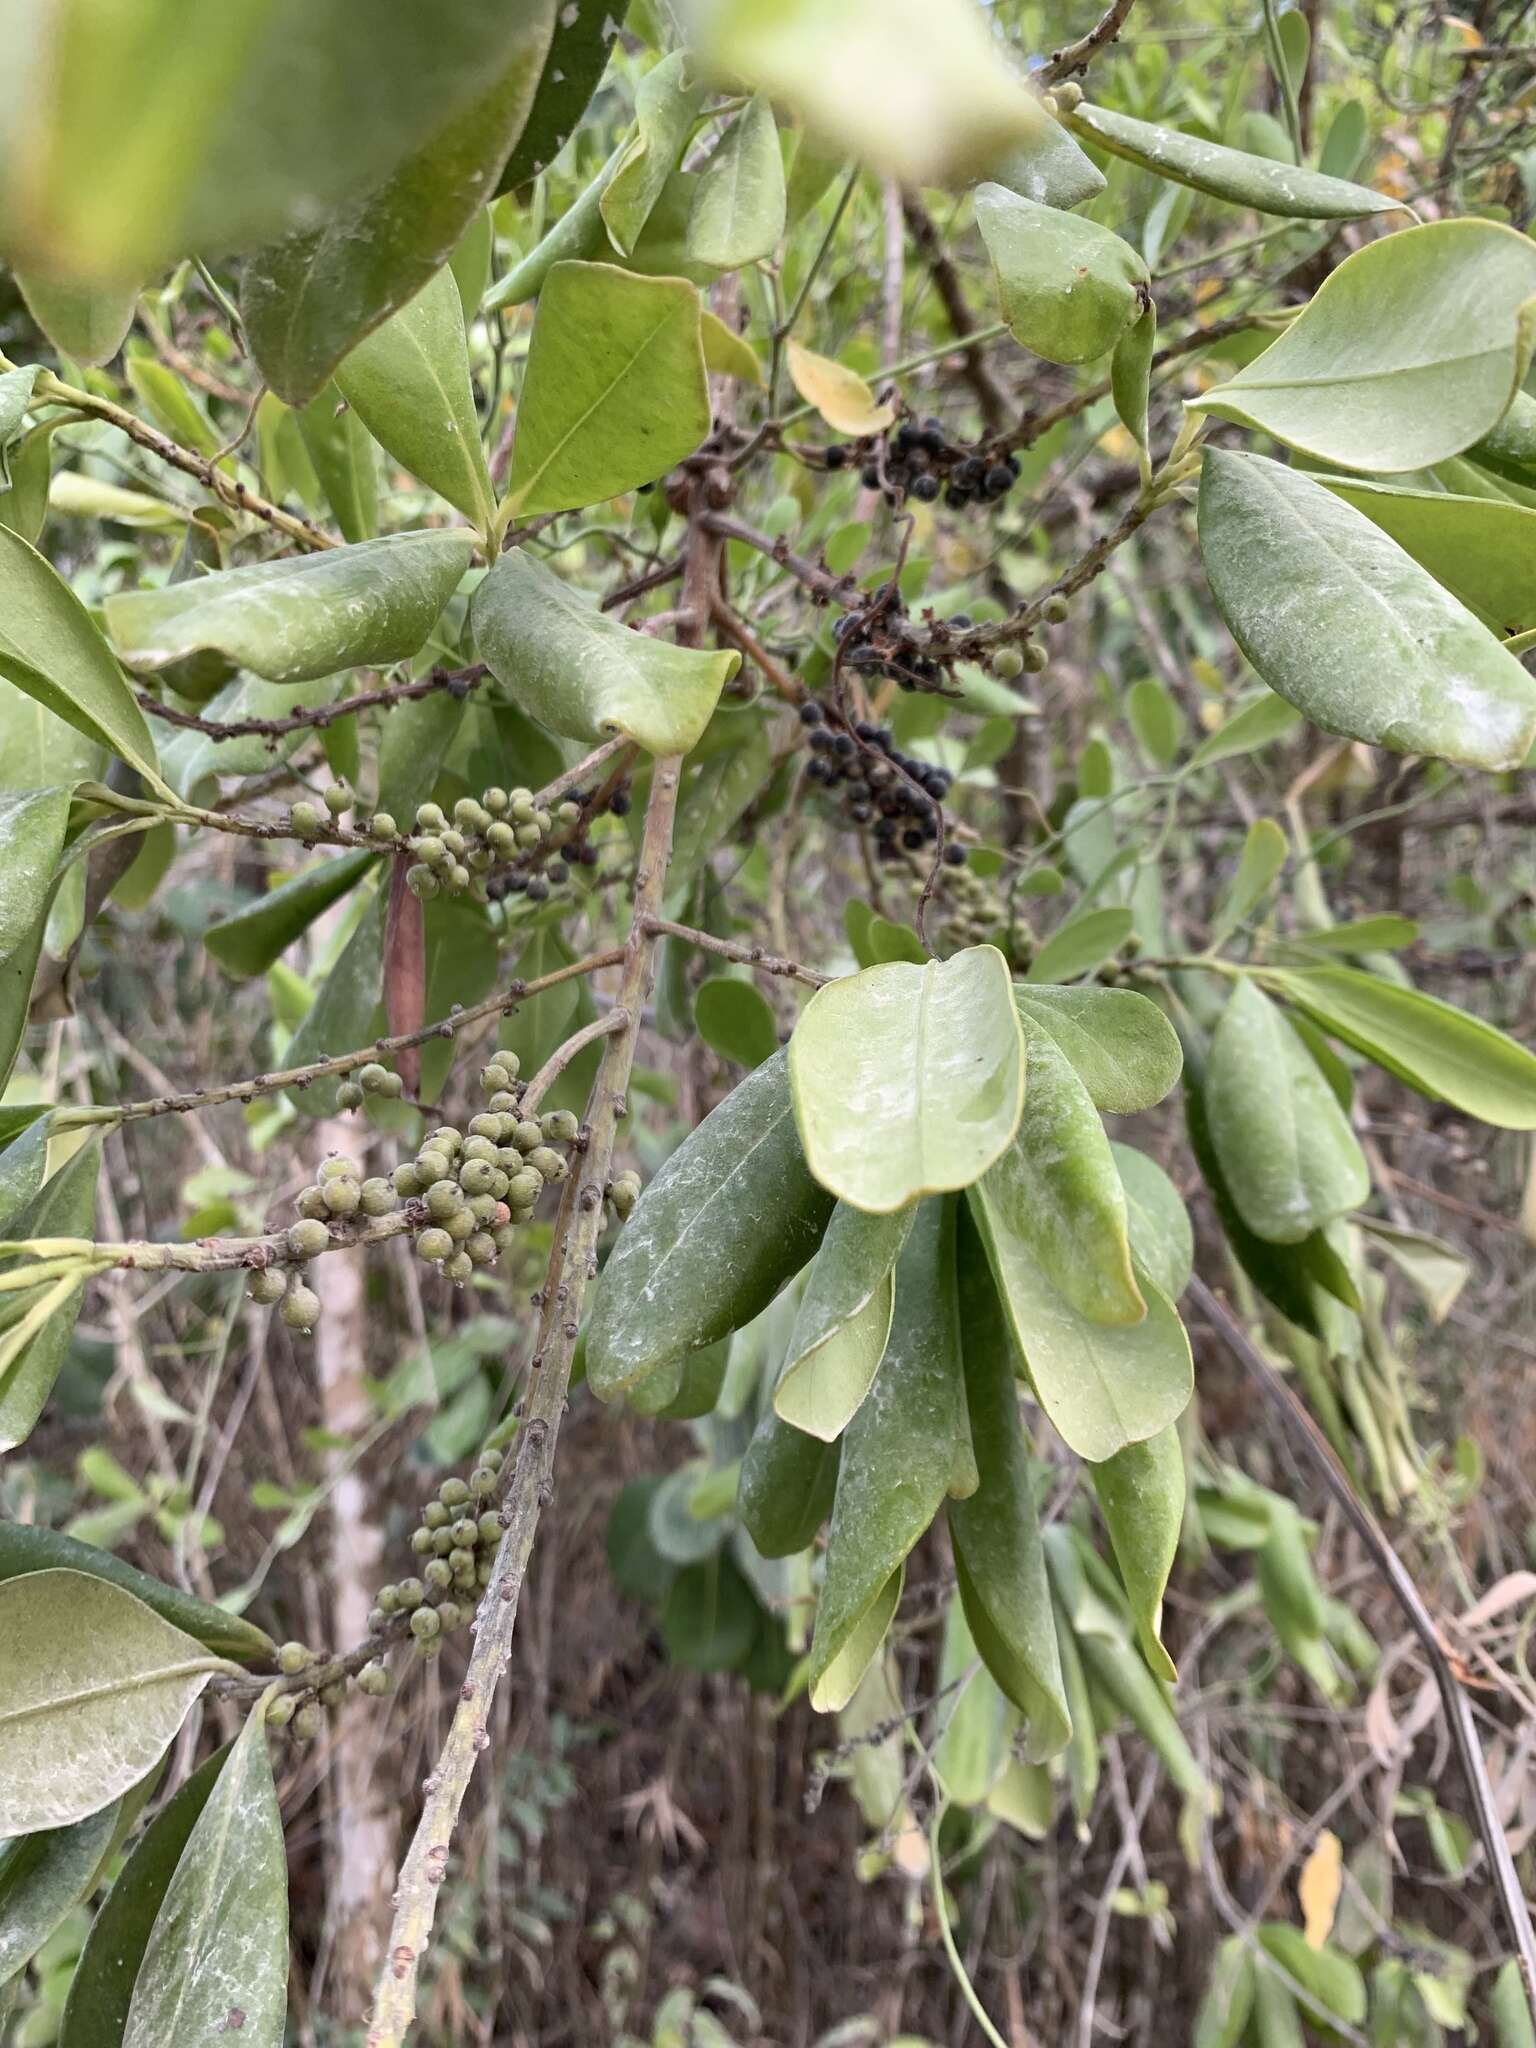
427, 1651
480, 1249
430, 849
458, 877
421, 882
484, 1569
349, 1096
500, 837
424, 1624
520, 803
308, 1238
439, 1573
496, 1075
460, 1224
373, 1077
306, 820
421, 1541
443, 1199
376, 1620
475, 1175
459, 1268
373, 1679
482, 1480
343, 1197
442, 1542
543, 820
495, 800
311, 1204
1035, 658
502, 1237
392, 1087
479, 860
528, 837
483, 1209
446, 1138
336, 1167
434, 1246
486, 1125
282, 1709
1007, 663
408, 1594
453, 1493
432, 1164
462, 1558
490, 1526
623, 1199
382, 826
548, 1162
527, 1136
334, 1694
338, 798
480, 1146
466, 1533
524, 1188
405, 1180
568, 812
1055, 609
388, 1599
466, 812
454, 842
293, 1658
560, 1126
376, 1196
301, 1308
435, 1515
308, 1722
430, 818
1067, 95
452, 1614
504, 1102
267, 1286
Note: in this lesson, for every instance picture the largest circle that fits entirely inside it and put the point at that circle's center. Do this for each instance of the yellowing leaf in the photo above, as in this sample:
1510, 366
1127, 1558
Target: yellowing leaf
1318, 1887
839, 394
727, 353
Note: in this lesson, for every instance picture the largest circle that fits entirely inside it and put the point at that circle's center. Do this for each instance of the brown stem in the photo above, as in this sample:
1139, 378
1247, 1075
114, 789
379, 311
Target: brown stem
459, 681
745, 956
990, 395
1078, 56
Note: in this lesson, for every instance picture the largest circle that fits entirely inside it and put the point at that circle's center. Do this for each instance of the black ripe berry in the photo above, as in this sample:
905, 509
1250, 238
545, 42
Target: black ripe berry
810, 712
869, 476
835, 457
999, 480
906, 437
618, 803
926, 488
954, 855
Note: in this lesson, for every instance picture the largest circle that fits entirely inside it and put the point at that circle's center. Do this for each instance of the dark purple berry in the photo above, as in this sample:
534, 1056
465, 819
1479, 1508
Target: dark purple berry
925, 488
810, 712
835, 457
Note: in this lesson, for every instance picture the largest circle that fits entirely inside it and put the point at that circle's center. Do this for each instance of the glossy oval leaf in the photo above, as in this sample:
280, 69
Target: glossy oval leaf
1286, 1148
908, 1080
1407, 353
86, 321
995, 1532
843, 1321
839, 394
1101, 1387
1081, 944
1162, 1236
253, 938
731, 1216
1068, 287
219, 1944
43, 1877
1123, 1049
50, 650
345, 459
1051, 168
409, 383
1257, 723
1056, 1187
304, 616
1334, 1988
102, 1986
615, 391
738, 203
900, 1453
786, 1487
584, 675
1343, 624
92, 1690
736, 1020
1141, 1496
1483, 550
1235, 175
1434, 1047
26, 1548
309, 298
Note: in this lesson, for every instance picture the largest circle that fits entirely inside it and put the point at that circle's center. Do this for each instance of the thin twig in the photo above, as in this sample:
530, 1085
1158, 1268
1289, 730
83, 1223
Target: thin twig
1078, 56
562, 1056
745, 956
458, 681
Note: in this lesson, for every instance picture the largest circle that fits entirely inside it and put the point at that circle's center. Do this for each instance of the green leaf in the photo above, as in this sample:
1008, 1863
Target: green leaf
170, 404
916, 1426
32, 827
409, 384
1435, 1048
1231, 174
86, 321
342, 1014
971, 1718
1080, 945
1409, 352
583, 674
1130, 381
1069, 288
1275, 2020
345, 461
1437, 1269
735, 1019
1386, 934
1228, 1999
66, 1207
303, 616
1280, 1272
728, 353
24, 505
1511, 2008
843, 1321
416, 739
615, 391
786, 1486
15, 401
1347, 627
100, 1990
1263, 719
1287, 1152
50, 650
1141, 1496
1102, 1387
1483, 550
1265, 852
253, 938
1057, 1189
575, 237
1162, 1236
191, 758
26, 1548
1125, 1052
908, 1080
666, 103
43, 1877
460, 952
23, 1163
91, 1693
219, 1944
1051, 169
998, 1559
1333, 1984
1156, 721
297, 108
738, 203
917, 89
730, 1217
585, 31
311, 297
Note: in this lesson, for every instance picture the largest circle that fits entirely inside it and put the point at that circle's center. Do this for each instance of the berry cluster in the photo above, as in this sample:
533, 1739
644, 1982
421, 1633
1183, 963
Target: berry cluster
494, 831
922, 461
455, 1545
900, 796
301, 1712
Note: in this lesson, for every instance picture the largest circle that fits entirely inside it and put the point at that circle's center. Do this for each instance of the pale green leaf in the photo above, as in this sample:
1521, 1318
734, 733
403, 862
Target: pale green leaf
1257, 723
1069, 288
1126, 1053
738, 203
1162, 1236
248, 942
1228, 2000
64, 1208
1265, 852
1080, 945
1130, 381
727, 353
583, 674
345, 461
1482, 549
1333, 1984
1141, 1496
908, 1080
300, 617
15, 400
1051, 168
666, 102
843, 1321
615, 391
786, 1486
88, 322
342, 1014
971, 1718
1343, 624
32, 827
1437, 1269
736, 1020
92, 1690
1409, 352
43, 1877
